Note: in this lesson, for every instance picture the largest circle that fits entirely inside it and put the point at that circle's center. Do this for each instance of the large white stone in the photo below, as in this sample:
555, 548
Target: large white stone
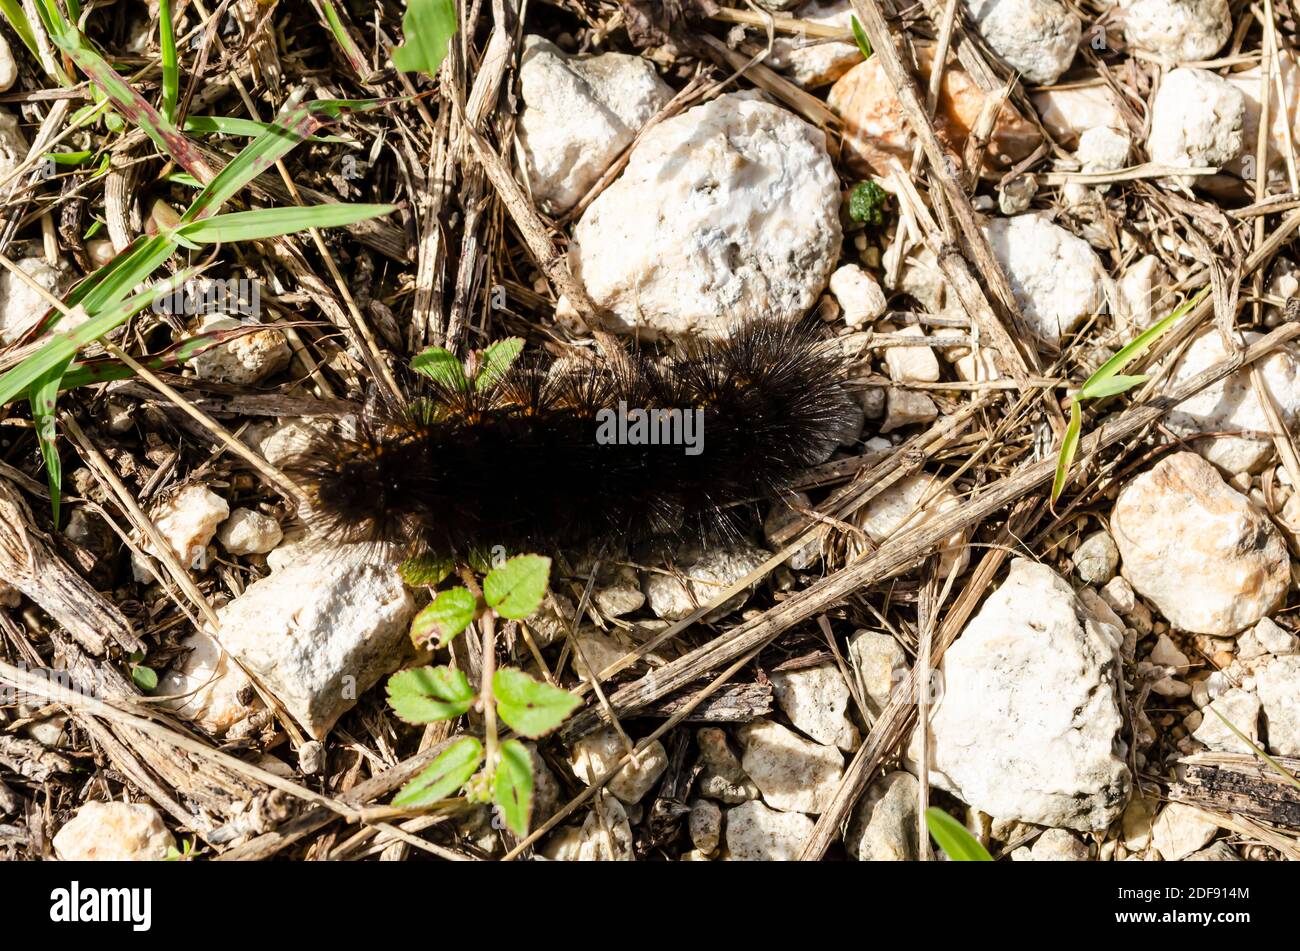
1057, 279
114, 832
1241, 709
1232, 406
8, 66
1036, 37
756, 833
1028, 727
320, 632
579, 113
1279, 691
1179, 30
815, 699
1197, 120
1197, 548
793, 774
1282, 122
726, 213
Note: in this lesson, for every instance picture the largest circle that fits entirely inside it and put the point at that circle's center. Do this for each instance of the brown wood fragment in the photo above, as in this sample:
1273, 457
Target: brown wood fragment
1240, 784
734, 703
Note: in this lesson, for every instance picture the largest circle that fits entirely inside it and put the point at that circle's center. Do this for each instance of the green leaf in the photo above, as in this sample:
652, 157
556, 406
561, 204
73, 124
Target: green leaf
496, 360
867, 203
171, 83
451, 770
428, 694
515, 590
512, 786
427, 28
528, 706
1098, 384
146, 678
1113, 386
441, 366
42, 397
273, 222
448, 615
860, 37
424, 571
953, 838
344, 39
1069, 446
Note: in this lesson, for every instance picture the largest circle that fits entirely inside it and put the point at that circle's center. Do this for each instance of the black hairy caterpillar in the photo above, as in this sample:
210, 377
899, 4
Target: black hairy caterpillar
558, 458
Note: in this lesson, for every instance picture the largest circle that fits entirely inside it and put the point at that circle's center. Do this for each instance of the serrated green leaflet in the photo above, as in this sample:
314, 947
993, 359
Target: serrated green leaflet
446, 774
528, 706
442, 367
496, 361
448, 615
512, 786
429, 694
427, 29
515, 590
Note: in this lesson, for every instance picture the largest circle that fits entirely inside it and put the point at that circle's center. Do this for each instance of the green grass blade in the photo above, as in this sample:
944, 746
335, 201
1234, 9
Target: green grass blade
339, 30
1096, 385
953, 838
13, 12
171, 77
860, 37
273, 222
42, 397
130, 104
427, 29
1069, 446
62, 347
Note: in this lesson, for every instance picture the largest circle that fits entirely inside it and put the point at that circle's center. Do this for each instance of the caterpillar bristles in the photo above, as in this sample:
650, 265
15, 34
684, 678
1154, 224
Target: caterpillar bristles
562, 457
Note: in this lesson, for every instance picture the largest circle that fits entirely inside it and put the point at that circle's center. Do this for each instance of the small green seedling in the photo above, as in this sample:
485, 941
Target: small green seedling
867, 204
951, 836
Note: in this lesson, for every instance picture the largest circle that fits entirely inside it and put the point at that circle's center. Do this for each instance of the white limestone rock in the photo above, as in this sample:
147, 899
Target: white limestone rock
1070, 111
1241, 708
321, 631
1278, 684
705, 825
597, 753
246, 360
756, 833
911, 502
8, 66
673, 598
1232, 406
1103, 149
579, 113
186, 519
726, 213
247, 532
884, 826
911, 364
20, 306
1036, 37
815, 699
721, 775
208, 687
879, 664
114, 832
1054, 845
1198, 549
1180, 830
1028, 727
859, 296
1057, 279
1197, 120
793, 774
815, 61
1096, 558
1181, 31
